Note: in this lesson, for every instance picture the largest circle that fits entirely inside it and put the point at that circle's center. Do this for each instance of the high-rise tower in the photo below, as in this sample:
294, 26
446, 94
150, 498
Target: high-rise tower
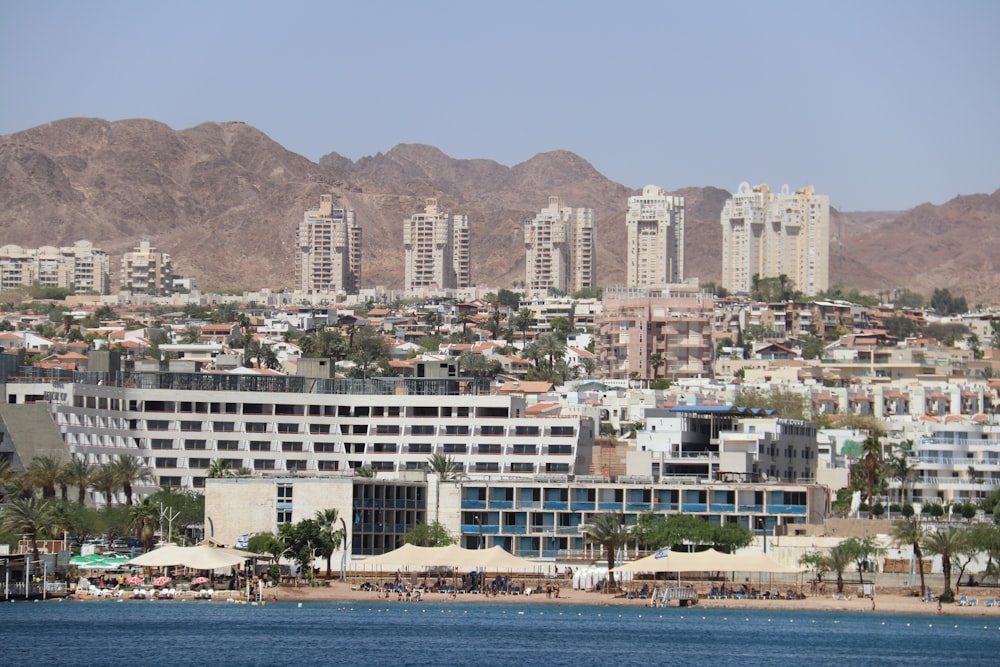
772, 234
655, 222
437, 249
328, 249
560, 252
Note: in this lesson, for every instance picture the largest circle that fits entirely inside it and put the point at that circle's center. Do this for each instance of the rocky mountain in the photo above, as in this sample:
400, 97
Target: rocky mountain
224, 200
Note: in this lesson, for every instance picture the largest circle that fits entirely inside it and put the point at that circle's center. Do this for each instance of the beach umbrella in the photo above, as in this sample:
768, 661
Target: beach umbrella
199, 580
134, 581
161, 581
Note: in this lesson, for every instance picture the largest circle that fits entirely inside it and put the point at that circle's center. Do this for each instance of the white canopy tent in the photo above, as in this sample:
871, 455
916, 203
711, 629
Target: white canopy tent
196, 558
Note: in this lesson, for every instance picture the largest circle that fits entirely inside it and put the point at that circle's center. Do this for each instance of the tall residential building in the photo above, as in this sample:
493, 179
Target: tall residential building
770, 234
80, 268
655, 222
328, 249
438, 249
146, 270
560, 250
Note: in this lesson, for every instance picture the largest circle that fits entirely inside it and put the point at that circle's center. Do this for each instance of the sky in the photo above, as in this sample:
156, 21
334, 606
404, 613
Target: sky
880, 104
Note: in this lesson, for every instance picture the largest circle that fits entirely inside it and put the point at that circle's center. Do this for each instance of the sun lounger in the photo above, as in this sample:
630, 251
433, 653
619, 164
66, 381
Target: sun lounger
963, 601
991, 603
973, 602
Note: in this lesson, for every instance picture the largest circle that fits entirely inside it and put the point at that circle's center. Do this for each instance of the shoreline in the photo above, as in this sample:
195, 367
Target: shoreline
890, 602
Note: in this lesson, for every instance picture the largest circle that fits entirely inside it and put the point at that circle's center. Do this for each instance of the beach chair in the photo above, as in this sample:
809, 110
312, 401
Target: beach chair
963, 601
991, 603
973, 602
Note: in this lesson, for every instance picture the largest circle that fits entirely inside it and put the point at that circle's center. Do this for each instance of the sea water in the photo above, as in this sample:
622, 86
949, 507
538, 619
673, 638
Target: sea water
285, 633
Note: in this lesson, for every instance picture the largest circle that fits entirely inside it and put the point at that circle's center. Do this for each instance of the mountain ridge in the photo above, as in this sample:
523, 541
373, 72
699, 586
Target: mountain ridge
224, 200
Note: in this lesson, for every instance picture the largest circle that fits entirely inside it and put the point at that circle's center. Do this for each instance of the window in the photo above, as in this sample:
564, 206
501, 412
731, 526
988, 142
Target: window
319, 429
560, 449
160, 443
425, 429
291, 446
384, 447
165, 462
263, 464
327, 466
491, 430
227, 445
288, 428
419, 448
157, 425
562, 431
198, 482
227, 427
256, 428
383, 466
284, 516
190, 426
199, 463
194, 444
489, 449
387, 429
522, 467
325, 447
557, 467
260, 446
525, 449
454, 448
456, 430
526, 431
170, 481
295, 464
487, 466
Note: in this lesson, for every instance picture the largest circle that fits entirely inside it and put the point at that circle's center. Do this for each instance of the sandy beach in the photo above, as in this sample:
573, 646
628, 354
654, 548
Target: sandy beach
888, 602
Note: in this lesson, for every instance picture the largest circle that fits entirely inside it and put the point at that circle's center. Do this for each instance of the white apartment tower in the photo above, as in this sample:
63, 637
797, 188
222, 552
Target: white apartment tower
146, 270
437, 249
560, 250
655, 222
769, 234
328, 249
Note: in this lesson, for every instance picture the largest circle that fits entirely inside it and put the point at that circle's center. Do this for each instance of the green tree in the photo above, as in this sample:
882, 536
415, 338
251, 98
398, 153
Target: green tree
836, 560
26, 516
219, 468
266, 543
77, 472
429, 535
787, 404
869, 469
947, 544
304, 540
524, 319
130, 470
45, 472
609, 530
104, 480
911, 533
900, 327
331, 536
943, 303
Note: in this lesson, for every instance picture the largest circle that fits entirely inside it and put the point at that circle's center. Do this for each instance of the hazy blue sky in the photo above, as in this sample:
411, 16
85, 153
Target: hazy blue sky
881, 105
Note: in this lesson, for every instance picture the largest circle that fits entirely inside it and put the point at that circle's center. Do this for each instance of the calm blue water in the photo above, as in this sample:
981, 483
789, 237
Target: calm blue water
160, 633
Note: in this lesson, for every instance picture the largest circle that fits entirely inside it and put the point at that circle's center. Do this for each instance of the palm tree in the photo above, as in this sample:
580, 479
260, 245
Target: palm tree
45, 473
655, 360
522, 321
870, 466
610, 531
836, 560
191, 335
219, 468
447, 470
947, 544
26, 516
898, 467
77, 472
104, 480
9, 478
131, 470
143, 519
910, 532
332, 537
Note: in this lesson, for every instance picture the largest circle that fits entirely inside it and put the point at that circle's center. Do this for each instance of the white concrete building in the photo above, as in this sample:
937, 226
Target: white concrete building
655, 227
328, 249
437, 250
770, 234
560, 250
